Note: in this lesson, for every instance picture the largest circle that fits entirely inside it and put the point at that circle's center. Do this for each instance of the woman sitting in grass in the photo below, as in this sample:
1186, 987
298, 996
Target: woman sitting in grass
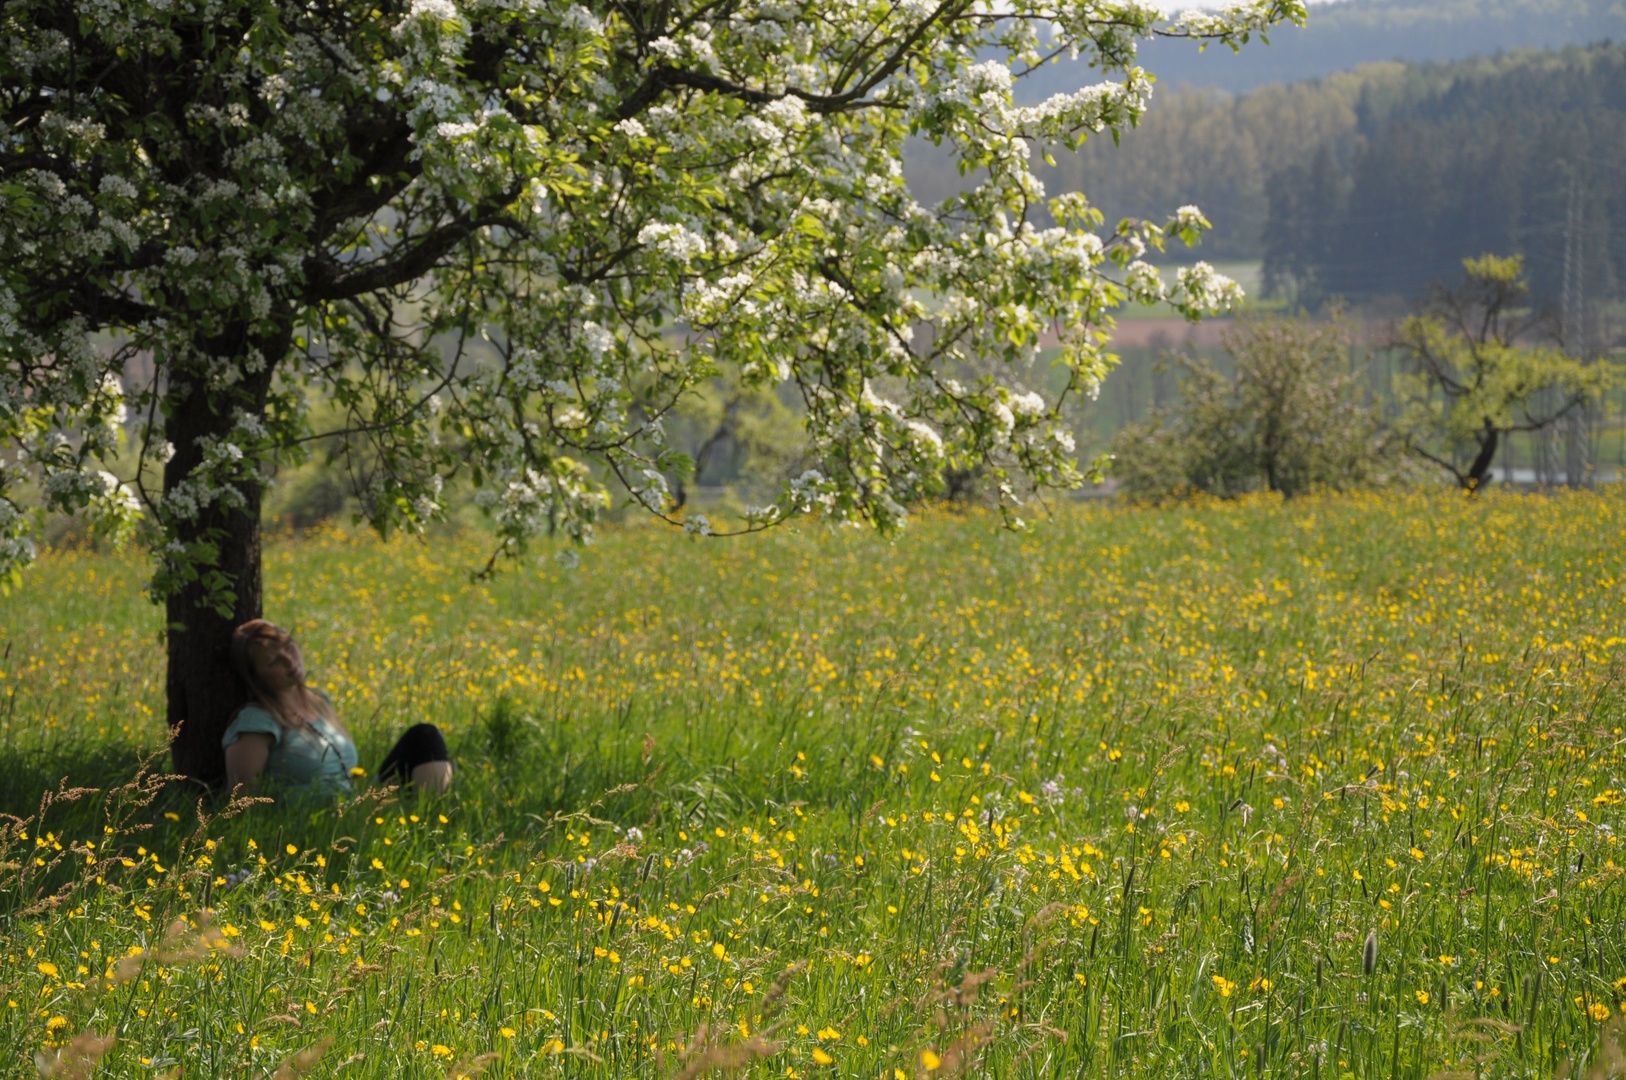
290, 733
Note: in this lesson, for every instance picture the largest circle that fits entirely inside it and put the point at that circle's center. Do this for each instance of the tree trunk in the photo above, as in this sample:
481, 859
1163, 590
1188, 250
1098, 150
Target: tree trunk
202, 688
1477, 472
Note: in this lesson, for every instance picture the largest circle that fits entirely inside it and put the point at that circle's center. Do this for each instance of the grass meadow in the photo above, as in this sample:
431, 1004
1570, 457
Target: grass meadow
1328, 788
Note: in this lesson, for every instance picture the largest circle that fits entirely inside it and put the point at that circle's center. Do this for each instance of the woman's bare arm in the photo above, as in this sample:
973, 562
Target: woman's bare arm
246, 758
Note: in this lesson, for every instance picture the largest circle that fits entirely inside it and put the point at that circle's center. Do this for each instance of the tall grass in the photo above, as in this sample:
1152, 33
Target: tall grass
1328, 788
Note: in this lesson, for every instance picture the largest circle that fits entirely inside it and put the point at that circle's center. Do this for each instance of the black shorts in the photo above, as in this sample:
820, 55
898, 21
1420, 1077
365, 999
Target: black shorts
418, 745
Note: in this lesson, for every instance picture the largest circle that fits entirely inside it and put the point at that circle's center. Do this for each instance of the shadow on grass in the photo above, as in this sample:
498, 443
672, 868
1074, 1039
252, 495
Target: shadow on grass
80, 817
28, 774
522, 771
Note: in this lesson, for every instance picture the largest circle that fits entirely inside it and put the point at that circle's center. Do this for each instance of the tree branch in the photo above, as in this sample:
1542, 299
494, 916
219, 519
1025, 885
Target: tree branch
324, 282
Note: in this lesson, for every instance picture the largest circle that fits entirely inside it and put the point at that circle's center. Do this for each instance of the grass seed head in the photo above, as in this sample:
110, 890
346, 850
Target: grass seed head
1369, 954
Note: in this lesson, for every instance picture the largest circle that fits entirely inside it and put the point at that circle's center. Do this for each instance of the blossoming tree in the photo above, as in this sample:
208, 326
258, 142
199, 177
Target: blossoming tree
504, 236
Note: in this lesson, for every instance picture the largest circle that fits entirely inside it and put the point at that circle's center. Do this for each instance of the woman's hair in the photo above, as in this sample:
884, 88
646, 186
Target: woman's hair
258, 632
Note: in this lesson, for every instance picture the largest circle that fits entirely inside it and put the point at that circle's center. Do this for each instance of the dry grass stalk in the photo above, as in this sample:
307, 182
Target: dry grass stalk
729, 1057
776, 992
966, 991
1610, 1058
1279, 893
1046, 914
298, 1064
179, 947
960, 1053
77, 1060
470, 1067
1473, 1031
1504, 1028
176, 947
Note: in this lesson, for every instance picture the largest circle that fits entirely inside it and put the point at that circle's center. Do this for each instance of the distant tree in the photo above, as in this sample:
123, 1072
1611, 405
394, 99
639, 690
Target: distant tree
1304, 201
738, 433
1476, 371
1289, 420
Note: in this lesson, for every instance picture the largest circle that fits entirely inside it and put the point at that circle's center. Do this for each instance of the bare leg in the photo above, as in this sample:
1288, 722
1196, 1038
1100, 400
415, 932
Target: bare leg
432, 776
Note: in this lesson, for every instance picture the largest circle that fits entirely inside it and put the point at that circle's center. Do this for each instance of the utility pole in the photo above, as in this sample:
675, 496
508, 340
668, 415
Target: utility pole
1578, 425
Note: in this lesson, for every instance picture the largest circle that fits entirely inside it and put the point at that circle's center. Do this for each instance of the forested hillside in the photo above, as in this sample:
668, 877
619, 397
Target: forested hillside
1508, 157
1219, 150
1345, 35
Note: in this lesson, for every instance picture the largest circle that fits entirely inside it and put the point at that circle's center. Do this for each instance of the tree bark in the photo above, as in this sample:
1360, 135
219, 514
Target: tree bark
1482, 463
202, 688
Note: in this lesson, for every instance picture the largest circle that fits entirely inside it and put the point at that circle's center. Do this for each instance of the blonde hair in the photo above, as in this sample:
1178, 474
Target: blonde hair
263, 632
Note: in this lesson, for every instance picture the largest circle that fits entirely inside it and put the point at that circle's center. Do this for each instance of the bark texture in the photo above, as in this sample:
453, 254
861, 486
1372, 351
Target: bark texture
1488, 442
203, 689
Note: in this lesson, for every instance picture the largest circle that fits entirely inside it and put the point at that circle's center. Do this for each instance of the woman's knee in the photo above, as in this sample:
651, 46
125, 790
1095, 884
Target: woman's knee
432, 776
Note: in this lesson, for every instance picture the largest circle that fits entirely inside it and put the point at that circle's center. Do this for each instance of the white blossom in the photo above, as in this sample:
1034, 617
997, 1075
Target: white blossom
674, 240
1144, 283
113, 184
580, 19
435, 10
1027, 404
1200, 288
